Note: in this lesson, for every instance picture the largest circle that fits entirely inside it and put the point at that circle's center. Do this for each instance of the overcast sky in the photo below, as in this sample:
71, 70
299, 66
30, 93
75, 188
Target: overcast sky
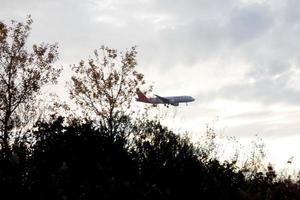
239, 59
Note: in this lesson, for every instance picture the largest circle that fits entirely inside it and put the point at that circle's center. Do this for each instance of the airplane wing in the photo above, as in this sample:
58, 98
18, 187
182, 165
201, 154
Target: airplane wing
164, 100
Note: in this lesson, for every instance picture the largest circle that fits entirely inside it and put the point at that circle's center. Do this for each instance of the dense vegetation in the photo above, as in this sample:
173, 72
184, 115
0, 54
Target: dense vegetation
145, 161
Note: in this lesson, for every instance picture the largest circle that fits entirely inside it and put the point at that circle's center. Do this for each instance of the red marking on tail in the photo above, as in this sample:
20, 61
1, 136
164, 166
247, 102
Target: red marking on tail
141, 96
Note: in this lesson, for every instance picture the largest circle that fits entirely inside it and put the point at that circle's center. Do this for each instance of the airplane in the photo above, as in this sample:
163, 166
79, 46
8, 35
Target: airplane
173, 100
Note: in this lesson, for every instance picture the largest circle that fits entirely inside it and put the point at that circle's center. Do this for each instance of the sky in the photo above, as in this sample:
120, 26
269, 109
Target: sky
240, 59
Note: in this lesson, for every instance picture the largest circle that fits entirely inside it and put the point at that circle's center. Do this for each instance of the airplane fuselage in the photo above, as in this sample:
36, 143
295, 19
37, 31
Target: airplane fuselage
171, 100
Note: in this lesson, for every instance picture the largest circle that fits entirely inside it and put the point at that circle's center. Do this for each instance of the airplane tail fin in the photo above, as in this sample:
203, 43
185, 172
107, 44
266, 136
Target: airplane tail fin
141, 96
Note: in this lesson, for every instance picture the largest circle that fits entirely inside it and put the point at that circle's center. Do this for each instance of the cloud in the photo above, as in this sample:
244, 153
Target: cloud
248, 23
265, 92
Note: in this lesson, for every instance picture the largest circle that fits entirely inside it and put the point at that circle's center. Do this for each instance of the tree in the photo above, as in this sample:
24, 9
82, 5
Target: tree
105, 85
79, 161
253, 166
22, 75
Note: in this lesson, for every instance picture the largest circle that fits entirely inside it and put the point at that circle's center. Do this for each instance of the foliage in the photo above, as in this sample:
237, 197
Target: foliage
105, 85
80, 161
254, 163
22, 74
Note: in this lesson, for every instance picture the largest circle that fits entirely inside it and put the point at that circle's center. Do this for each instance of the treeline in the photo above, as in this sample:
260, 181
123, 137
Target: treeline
142, 161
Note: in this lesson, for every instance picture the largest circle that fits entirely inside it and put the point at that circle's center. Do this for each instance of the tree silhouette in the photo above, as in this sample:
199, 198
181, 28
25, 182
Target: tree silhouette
22, 74
80, 161
105, 85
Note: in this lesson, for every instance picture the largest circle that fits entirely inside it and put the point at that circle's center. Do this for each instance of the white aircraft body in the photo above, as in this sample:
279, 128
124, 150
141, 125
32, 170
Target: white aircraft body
172, 100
